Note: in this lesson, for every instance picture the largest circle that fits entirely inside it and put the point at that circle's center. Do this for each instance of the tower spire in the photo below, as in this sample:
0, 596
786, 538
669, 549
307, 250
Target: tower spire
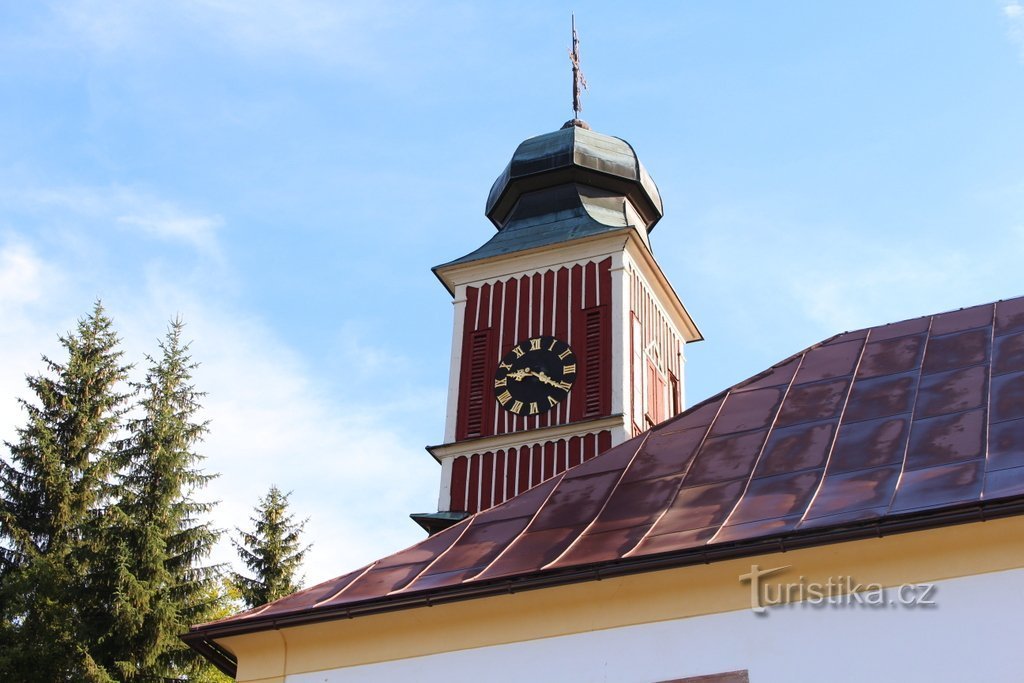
579, 81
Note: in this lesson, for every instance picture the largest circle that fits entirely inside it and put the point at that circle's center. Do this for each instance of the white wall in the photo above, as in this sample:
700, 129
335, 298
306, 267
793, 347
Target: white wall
972, 634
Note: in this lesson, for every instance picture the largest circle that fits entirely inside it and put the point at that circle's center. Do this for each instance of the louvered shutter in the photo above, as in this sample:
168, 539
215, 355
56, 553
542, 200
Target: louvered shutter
475, 400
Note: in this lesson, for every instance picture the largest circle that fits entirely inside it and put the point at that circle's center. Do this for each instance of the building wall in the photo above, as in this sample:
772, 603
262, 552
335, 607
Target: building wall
970, 634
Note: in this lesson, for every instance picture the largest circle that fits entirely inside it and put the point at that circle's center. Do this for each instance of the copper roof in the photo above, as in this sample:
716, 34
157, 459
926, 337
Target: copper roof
917, 423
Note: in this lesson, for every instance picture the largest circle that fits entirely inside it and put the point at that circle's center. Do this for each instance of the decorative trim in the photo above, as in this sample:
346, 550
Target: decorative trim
525, 438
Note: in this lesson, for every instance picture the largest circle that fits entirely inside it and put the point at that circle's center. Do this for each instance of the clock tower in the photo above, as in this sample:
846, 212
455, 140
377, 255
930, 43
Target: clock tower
568, 338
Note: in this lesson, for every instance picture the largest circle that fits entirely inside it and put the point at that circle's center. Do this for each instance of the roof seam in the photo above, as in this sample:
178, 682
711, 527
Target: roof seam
760, 454
526, 528
988, 391
611, 493
471, 520
682, 480
839, 423
347, 585
913, 413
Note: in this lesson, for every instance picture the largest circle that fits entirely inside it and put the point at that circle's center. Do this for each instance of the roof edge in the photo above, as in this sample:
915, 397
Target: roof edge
200, 637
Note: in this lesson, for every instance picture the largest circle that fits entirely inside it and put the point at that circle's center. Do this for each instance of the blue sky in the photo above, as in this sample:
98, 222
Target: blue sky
284, 175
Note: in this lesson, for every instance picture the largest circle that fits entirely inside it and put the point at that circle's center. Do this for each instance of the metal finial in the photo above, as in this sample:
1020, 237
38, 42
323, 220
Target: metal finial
579, 81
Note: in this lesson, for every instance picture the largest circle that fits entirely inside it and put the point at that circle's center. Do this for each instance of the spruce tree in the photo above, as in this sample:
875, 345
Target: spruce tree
273, 551
51, 491
157, 539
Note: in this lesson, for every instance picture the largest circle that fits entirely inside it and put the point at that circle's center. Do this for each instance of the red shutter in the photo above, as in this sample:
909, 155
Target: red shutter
475, 399
655, 394
591, 395
595, 362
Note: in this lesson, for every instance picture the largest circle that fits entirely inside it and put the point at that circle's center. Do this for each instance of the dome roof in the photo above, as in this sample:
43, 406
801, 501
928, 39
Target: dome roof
574, 155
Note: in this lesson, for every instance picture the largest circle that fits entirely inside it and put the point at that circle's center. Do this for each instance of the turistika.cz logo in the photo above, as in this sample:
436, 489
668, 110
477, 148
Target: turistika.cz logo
837, 591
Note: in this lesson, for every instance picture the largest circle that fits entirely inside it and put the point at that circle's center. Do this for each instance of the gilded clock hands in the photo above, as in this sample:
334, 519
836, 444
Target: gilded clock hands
520, 375
543, 377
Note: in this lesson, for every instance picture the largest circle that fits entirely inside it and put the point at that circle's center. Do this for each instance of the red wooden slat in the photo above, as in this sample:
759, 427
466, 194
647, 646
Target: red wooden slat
604, 441
576, 282
524, 469
472, 299
535, 305
486, 479
537, 473
499, 478
604, 277
549, 460
575, 451
590, 285
589, 447
484, 307
511, 472
549, 301
473, 503
458, 484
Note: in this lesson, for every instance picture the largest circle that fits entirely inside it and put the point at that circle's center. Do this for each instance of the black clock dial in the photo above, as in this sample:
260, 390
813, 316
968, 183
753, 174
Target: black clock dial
535, 376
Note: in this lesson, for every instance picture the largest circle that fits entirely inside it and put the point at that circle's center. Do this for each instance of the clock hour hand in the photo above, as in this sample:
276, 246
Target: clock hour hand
519, 375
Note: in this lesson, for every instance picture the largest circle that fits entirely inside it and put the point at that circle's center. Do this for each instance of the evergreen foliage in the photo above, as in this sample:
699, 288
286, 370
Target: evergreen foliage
156, 541
273, 551
101, 541
51, 490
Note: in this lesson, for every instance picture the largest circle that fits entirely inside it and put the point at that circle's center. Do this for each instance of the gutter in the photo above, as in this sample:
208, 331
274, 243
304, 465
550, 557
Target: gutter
203, 638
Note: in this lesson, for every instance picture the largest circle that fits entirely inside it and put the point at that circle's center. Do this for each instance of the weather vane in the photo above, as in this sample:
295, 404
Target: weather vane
579, 81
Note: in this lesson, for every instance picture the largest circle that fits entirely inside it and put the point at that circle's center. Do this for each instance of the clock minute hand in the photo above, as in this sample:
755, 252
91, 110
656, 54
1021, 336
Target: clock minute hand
543, 377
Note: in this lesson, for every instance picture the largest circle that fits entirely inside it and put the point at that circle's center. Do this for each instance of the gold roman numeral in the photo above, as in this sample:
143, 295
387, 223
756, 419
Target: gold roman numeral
504, 397
500, 382
564, 354
552, 347
564, 386
569, 369
533, 409
535, 344
519, 351
507, 366
552, 402
516, 407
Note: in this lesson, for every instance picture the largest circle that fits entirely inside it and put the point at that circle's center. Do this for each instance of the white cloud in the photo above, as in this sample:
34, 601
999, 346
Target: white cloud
130, 208
349, 33
23, 276
199, 231
1013, 10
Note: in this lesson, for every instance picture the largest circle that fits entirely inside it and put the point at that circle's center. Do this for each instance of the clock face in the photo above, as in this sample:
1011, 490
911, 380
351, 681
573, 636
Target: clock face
535, 376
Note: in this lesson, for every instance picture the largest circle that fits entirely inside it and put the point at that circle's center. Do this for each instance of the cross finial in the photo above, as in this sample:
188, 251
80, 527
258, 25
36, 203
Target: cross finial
579, 81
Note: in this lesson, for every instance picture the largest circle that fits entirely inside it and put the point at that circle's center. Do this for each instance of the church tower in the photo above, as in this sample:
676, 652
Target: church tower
568, 338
